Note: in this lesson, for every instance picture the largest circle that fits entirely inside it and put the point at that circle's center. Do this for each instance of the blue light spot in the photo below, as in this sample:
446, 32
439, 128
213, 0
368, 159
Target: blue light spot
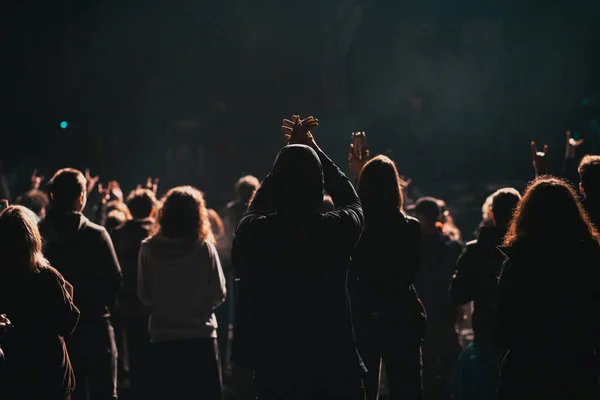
64, 124
584, 102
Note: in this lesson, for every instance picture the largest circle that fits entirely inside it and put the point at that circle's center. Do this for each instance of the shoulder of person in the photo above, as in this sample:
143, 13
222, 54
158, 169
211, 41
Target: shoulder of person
90, 227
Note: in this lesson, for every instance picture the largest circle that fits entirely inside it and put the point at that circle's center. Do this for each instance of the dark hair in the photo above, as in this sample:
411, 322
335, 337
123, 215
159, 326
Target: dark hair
379, 185
141, 202
550, 212
245, 188
183, 215
65, 187
21, 244
429, 209
589, 174
35, 200
504, 202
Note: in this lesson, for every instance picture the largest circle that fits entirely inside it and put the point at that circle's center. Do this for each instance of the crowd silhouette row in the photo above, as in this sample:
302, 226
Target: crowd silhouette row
307, 286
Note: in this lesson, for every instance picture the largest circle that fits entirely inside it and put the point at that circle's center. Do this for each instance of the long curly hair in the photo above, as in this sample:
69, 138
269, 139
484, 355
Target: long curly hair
21, 244
183, 214
550, 212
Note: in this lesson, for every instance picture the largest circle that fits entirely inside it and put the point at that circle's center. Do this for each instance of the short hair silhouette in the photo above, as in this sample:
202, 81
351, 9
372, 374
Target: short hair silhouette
245, 188
504, 202
65, 187
35, 200
183, 215
429, 210
550, 212
21, 244
379, 185
141, 203
589, 175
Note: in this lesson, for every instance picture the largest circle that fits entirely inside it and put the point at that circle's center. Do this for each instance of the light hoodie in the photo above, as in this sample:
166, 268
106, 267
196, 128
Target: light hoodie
182, 282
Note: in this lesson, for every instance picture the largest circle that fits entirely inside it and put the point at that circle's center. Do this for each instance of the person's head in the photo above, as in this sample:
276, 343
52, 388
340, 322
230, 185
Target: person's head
183, 215
141, 203
216, 223
549, 212
428, 212
67, 190
327, 205
447, 221
21, 244
503, 203
36, 201
379, 185
245, 188
589, 176
114, 219
297, 176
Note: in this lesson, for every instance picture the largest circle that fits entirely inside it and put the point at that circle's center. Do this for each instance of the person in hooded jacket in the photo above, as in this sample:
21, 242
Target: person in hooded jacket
548, 297
181, 281
389, 318
83, 253
293, 324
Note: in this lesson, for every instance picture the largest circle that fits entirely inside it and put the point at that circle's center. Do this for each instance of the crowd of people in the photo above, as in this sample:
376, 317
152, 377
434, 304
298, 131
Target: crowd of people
307, 286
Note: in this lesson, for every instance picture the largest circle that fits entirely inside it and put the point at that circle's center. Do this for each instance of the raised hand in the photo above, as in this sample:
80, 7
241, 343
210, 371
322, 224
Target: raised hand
152, 184
571, 145
3, 205
297, 131
36, 180
91, 180
540, 159
358, 154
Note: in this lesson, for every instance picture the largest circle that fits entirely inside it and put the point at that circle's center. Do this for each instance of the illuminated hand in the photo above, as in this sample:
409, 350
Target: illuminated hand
358, 154
540, 159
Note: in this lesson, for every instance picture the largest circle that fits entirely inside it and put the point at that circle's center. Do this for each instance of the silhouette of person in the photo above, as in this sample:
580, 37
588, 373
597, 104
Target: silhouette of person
548, 297
293, 324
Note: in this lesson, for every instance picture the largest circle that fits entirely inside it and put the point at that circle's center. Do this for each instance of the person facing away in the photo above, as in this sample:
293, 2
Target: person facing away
293, 324
589, 186
36, 200
548, 297
134, 315
388, 316
439, 253
83, 253
39, 304
476, 280
181, 281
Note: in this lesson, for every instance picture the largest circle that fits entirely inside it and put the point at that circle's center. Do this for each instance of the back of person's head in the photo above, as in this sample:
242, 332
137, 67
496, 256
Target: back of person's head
504, 202
379, 185
447, 221
21, 243
327, 205
297, 180
67, 190
245, 188
141, 203
183, 215
36, 200
589, 176
216, 223
550, 213
428, 211
114, 219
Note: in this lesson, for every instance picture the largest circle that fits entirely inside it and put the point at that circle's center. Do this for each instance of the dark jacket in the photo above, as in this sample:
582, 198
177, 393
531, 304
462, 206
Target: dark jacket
127, 240
384, 266
476, 278
439, 253
547, 316
83, 253
41, 310
293, 308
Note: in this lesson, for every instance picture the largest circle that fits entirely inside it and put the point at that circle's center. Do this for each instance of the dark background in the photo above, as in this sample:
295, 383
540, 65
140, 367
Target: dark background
453, 90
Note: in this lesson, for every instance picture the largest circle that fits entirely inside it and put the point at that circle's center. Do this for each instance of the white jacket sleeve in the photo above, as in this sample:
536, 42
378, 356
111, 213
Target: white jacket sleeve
217, 289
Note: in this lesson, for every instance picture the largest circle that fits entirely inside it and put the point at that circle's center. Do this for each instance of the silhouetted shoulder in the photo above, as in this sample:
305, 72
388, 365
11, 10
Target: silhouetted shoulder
412, 221
92, 229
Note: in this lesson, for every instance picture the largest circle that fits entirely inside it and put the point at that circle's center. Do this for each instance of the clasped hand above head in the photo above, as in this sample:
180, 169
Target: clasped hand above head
297, 131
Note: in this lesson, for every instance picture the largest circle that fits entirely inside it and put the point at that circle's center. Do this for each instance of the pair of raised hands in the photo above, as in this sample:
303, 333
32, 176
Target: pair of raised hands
540, 158
297, 131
